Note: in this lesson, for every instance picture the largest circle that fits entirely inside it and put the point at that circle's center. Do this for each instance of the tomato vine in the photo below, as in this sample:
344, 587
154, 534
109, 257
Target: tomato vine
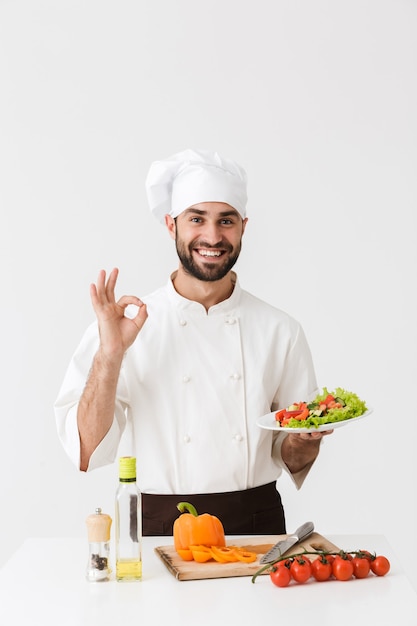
340, 564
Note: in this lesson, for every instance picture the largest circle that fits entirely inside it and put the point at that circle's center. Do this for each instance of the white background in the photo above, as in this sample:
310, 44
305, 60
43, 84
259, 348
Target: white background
317, 100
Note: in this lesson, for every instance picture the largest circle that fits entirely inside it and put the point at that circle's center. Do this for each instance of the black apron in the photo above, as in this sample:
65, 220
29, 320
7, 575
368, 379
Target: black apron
256, 511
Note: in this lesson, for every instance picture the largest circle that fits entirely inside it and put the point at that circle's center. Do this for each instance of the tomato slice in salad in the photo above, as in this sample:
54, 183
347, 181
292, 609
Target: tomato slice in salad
283, 416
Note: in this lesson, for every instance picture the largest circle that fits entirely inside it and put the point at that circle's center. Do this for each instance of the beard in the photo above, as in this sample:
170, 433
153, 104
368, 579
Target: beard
208, 272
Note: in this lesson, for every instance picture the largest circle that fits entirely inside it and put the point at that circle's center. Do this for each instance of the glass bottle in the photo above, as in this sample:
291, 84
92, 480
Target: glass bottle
98, 529
128, 523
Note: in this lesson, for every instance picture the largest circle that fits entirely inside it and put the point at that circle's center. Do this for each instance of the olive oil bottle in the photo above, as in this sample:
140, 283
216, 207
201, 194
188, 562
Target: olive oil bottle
128, 523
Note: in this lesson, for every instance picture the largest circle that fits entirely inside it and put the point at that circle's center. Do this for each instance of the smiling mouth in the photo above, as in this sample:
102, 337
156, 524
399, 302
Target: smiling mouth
209, 253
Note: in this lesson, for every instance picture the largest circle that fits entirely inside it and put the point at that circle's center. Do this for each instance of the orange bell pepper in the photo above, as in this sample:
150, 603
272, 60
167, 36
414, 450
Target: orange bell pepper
191, 529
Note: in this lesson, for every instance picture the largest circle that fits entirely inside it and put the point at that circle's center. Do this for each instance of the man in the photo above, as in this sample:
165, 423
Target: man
191, 367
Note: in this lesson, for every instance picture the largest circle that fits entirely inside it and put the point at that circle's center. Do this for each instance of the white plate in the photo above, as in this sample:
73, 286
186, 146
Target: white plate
270, 423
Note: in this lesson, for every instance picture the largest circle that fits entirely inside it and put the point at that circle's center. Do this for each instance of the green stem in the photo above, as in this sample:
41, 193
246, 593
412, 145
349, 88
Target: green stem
186, 507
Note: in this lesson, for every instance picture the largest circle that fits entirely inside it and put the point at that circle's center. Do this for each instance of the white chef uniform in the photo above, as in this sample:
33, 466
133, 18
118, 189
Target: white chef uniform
192, 387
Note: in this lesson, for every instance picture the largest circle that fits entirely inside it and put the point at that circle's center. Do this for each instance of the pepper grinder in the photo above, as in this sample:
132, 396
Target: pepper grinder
98, 528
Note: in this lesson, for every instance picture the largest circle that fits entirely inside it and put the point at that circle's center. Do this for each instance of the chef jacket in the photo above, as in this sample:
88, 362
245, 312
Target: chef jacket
191, 389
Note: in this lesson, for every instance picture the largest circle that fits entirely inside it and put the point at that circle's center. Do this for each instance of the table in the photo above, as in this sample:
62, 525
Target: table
44, 584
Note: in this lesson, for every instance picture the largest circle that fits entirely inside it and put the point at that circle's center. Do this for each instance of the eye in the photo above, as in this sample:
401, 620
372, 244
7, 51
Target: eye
196, 219
226, 221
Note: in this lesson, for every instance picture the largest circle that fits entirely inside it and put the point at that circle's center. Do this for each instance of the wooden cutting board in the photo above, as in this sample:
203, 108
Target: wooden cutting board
190, 570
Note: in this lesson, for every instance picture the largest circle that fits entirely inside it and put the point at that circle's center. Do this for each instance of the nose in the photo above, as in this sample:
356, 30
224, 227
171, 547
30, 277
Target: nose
212, 233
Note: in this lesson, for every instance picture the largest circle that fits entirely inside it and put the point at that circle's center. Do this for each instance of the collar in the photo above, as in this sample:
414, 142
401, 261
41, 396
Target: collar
224, 307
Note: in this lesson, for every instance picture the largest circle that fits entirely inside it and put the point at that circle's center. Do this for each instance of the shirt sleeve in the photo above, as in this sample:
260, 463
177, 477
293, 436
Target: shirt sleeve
298, 384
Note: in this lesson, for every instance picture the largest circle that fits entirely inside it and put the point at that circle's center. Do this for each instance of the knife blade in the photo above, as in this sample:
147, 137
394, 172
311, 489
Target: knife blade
285, 544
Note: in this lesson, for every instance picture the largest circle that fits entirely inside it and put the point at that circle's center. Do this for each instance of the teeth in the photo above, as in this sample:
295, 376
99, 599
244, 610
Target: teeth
210, 253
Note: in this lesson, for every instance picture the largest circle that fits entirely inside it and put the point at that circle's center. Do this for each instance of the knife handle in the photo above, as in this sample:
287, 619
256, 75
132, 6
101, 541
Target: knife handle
304, 531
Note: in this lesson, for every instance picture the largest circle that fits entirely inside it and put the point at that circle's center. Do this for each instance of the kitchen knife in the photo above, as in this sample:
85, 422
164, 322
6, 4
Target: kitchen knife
285, 544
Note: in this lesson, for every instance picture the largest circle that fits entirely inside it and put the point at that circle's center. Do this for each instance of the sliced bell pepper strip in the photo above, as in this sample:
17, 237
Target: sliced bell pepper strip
221, 554
279, 415
232, 554
303, 415
245, 556
201, 554
186, 555
224, 554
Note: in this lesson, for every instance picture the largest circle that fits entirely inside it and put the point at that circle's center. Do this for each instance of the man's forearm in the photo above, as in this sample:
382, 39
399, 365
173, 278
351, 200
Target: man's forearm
297, 452
97, 403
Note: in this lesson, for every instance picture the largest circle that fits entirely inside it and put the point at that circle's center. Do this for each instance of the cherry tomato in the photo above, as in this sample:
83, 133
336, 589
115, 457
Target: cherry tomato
301, 569
280, 575
365, 554
380, 565
342, 568
321, 568
361, 566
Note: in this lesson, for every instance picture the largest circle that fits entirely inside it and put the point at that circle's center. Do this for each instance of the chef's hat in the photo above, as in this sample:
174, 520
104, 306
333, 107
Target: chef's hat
191, 177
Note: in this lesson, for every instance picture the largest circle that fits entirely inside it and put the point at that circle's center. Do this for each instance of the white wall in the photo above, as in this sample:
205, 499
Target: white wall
317, 100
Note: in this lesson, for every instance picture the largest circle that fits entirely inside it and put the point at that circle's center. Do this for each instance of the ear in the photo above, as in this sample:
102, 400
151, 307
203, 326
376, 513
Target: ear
171, 226
244, 222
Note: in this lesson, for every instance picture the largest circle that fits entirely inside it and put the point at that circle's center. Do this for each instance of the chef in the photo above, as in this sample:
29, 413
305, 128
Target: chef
189, 369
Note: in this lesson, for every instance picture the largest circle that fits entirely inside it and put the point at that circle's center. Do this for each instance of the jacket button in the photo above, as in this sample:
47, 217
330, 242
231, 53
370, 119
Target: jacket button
238, 437
235, 376
187, 439
183, 322
186, 379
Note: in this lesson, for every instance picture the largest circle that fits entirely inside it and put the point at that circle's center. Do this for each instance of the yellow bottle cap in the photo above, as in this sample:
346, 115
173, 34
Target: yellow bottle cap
127, 468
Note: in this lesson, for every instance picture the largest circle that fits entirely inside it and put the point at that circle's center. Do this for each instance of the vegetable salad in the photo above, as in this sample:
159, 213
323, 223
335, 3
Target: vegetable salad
326, 408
